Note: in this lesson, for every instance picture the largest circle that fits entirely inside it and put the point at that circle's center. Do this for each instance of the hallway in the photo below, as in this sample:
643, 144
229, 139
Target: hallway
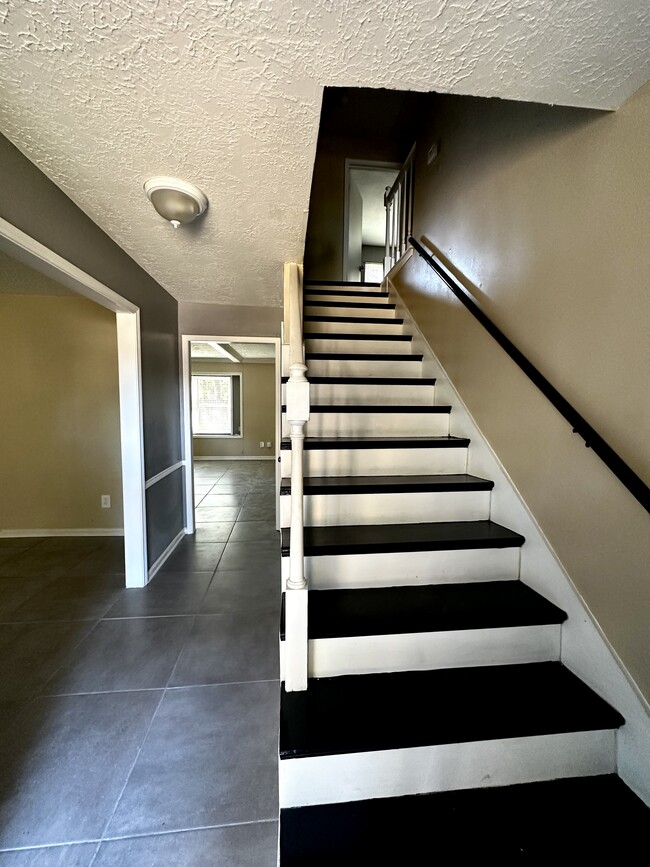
140, 726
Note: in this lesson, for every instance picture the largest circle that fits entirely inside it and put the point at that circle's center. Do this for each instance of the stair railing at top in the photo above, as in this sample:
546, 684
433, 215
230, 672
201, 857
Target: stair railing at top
297, 415
625, 474
398, 202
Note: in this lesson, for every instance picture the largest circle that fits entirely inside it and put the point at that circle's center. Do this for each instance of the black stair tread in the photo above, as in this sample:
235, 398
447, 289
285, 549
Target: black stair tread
344, 283
361, 356
438, 442
365, 713
348, 304
331, 335
369, 380
351, 292
389, 538
373, 407
389, 484
376, 319
431, 608
580, 820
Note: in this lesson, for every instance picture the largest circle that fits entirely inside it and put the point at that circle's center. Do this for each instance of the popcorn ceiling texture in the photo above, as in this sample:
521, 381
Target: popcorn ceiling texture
102, 94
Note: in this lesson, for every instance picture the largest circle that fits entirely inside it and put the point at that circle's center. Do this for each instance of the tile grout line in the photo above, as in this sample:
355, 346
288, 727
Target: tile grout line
133, 764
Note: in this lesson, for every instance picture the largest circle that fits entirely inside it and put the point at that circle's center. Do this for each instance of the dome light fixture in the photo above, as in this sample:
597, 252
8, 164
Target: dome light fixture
177, 201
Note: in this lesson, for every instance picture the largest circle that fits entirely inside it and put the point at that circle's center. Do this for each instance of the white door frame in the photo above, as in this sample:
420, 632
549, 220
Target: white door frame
23, 247
186, 411
372, 165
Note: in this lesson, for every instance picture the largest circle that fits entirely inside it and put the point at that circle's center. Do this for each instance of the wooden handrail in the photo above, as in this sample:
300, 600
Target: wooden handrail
625, 474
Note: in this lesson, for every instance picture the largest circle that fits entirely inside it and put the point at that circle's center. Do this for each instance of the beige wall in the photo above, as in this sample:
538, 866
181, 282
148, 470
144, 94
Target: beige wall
258, 412
60, 407
545, 213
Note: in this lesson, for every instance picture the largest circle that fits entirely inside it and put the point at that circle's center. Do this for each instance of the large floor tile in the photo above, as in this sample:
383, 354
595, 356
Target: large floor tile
42, 563
230, 648
71, 599
168, 593
251, 555
225, 498
215, 531
65, 762
30, 653
76, 855
233, 592
210, 758
255, 511
14, 592
137, 653
206, 514
254, 531
194, 556
251, 845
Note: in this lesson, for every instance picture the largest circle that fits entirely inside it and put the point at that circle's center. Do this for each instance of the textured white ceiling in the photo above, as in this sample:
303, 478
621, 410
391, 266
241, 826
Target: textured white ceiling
102, 94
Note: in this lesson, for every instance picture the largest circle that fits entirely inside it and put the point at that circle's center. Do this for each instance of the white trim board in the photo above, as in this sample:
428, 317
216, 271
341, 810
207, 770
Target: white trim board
163, 474
39, 257
78, 531
585, 649
331, 779
166, 554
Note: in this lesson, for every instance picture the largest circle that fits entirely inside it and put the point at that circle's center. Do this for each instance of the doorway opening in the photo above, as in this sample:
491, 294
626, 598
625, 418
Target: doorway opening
231, 425
364, 232
80, 287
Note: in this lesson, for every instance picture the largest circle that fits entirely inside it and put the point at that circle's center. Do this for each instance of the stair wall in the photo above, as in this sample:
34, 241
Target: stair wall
584, 650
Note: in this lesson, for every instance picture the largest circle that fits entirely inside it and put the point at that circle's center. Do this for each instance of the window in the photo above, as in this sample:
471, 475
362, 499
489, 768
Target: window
216, 404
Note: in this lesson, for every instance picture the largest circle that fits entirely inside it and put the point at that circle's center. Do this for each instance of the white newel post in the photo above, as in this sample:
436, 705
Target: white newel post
297, 402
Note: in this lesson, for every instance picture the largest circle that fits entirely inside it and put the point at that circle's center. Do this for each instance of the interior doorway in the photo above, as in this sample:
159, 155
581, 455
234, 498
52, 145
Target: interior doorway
231, 406
364, 231
29, 252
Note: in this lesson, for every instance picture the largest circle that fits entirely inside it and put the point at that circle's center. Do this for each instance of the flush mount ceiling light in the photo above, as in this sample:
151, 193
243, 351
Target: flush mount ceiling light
175, 200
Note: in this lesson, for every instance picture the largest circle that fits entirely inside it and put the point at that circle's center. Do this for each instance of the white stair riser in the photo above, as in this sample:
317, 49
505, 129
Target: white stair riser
337, 510
423, 651
355, 367
385, 327
380, 347
375, 312
445, 767
356, 298
358, 395
408, 568
360, 424
377, 462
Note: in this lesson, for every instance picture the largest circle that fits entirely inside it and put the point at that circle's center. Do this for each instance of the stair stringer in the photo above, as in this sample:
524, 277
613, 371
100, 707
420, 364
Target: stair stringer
585, 649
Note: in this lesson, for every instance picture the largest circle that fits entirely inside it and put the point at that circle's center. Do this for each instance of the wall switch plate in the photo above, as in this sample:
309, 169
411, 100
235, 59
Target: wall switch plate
106, 501
261, 445
432, 153
268, 445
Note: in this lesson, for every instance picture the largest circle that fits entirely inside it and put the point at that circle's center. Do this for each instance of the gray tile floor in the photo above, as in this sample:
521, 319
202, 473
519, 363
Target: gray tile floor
140, 727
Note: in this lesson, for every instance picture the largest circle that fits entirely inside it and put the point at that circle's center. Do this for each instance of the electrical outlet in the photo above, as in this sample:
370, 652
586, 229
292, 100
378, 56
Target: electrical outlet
261, 445
106, 501
268, 445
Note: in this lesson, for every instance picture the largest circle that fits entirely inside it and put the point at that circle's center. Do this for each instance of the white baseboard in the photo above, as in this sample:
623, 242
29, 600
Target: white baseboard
155, 567
75, 531
234, 458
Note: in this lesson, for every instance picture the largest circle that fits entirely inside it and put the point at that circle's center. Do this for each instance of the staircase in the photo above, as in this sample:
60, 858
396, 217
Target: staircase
433, 667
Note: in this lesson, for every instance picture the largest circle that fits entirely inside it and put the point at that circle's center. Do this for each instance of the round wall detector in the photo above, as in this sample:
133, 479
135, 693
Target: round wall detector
175, 200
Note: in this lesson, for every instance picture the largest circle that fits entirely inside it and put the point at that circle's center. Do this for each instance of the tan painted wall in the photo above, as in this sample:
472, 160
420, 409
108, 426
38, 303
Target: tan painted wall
258, 412
545, 212
60, 407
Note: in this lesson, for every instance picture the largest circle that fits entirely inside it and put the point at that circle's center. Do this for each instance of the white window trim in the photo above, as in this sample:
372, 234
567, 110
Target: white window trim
215, 436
